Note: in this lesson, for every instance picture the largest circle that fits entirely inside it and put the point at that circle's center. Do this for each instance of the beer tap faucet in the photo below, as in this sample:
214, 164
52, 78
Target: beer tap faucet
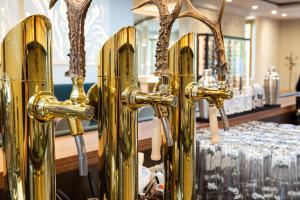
76, 11
162, 70
217, 95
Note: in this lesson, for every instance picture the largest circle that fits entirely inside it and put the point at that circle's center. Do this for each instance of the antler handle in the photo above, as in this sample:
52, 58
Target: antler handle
166, 22
77, 10
216, 28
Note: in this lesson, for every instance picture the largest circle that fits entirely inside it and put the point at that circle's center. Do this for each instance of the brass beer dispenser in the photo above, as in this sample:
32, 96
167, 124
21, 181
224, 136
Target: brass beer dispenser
117, 98
216, 95
76, 13
180, 172
117, 122
28, 107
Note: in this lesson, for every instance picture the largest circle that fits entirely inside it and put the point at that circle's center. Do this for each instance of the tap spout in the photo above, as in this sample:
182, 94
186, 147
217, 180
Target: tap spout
224, 118
158, 100
167, 130
77, 130
82, 156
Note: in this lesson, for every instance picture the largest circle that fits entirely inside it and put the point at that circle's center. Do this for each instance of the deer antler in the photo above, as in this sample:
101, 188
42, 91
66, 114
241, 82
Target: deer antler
76, 15
166, 22
216, 28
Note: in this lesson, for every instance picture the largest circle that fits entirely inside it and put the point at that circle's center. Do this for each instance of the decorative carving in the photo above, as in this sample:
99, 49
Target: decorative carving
216, 28
291, 63
77, 10
166, 22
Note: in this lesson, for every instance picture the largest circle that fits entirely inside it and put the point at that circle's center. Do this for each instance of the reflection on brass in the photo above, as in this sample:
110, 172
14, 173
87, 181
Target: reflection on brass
77, 10
93, 99
166, 22
179, 165
118, 100
117, 121
28, 108
28, 145
216, 28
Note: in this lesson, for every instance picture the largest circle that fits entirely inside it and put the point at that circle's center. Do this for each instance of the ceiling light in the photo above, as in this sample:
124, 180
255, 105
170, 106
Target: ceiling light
255, 7
274, 12
228, 1
284, 15
251, 17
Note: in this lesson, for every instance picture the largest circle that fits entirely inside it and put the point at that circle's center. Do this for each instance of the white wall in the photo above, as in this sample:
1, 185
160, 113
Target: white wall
120, 15
104, 18
232, 25
267, 46
275, 41
289, 42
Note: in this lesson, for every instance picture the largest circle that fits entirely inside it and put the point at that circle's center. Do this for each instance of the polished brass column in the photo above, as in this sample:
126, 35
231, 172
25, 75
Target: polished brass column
28, 144
28, 107
181, 171
117, 121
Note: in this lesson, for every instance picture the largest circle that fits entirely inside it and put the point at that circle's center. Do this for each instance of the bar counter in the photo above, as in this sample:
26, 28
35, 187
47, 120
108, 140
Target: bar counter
66, 153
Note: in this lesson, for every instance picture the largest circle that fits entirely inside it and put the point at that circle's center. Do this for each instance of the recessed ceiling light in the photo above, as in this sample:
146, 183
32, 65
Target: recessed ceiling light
228, 1
251, 17
255, 7
274, 12
284, 15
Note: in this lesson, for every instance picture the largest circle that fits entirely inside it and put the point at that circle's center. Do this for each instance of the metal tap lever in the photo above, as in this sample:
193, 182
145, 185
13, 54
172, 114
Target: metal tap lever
159, 101
45, 107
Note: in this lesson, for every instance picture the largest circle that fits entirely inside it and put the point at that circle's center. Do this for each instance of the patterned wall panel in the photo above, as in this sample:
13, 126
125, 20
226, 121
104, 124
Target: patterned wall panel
96, 27
9, 16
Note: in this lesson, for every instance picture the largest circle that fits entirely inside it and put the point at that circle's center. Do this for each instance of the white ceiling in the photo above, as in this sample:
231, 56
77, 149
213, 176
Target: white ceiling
284, 1
244, 7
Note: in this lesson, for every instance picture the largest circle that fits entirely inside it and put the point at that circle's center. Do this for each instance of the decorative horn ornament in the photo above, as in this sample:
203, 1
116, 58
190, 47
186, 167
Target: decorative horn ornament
76, 12
216, 28
166, 22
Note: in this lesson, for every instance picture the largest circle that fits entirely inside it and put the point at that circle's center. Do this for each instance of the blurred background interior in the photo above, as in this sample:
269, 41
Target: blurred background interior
258, 34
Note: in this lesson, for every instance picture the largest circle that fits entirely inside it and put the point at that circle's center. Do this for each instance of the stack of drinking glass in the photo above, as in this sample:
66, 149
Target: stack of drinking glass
254, 160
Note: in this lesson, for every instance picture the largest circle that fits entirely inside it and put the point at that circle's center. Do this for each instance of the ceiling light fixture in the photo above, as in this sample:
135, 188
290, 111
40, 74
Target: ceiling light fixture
251, 17
228, 1
274, 12
284, 15
255, 7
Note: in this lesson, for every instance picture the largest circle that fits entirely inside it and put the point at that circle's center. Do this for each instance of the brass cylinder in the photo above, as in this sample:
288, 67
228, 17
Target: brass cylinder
28, 145
180, 159
117, 121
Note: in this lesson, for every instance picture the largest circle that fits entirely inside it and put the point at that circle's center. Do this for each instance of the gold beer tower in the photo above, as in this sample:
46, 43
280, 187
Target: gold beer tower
180, 165
118, 99
29, 107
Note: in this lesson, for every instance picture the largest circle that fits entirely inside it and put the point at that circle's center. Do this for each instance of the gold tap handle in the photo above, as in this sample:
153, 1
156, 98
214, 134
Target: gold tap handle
67, 109
135, 98
45, 107
155, 99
